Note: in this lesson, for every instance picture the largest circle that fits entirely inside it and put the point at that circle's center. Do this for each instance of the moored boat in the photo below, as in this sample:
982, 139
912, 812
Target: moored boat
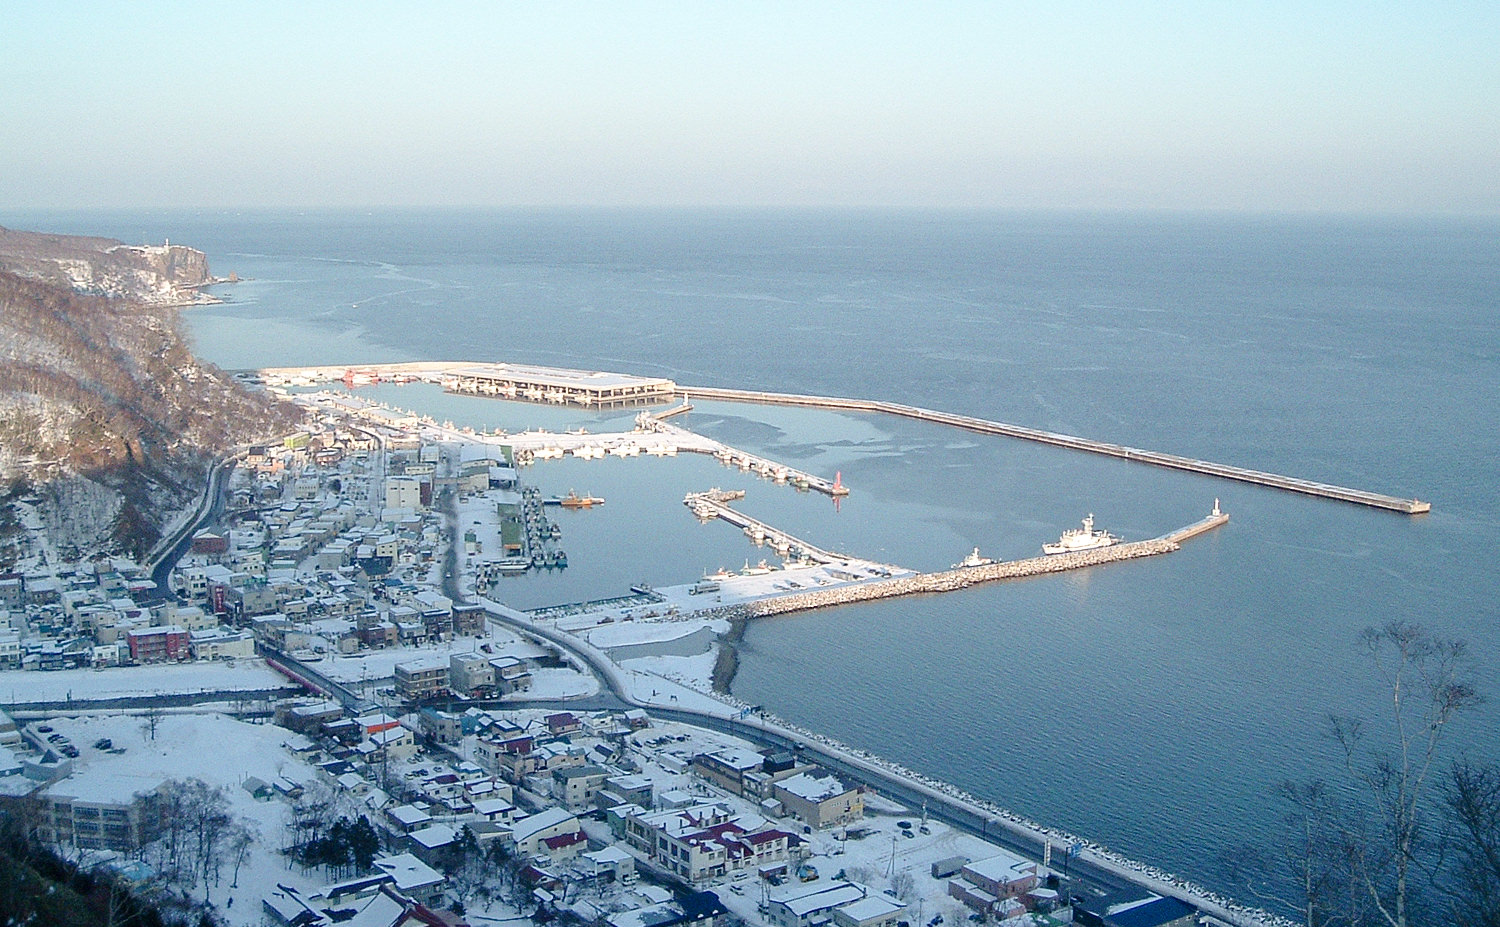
973, 560
1077, 539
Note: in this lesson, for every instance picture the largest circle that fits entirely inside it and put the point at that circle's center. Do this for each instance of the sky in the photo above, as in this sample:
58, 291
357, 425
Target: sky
1300, 106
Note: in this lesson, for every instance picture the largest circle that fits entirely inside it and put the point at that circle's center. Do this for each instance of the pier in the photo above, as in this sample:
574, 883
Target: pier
963, 577
1214, 520
1155, 458
763, 466
595, 389
715, 504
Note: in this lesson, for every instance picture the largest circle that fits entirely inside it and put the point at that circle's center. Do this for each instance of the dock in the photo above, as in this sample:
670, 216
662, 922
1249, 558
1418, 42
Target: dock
1139, 455
525, 382
715, 504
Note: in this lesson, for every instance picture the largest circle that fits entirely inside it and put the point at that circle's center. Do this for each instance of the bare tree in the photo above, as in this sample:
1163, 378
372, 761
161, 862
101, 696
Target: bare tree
1427, 683
242, 836
1474, 803
1309, 871
152, 716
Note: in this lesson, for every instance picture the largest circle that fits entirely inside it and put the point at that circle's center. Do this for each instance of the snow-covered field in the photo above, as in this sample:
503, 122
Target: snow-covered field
19, 686
239, 750
381, 664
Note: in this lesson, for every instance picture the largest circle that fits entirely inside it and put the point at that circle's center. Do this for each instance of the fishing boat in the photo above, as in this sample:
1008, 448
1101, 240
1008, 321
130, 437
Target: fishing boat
574, 501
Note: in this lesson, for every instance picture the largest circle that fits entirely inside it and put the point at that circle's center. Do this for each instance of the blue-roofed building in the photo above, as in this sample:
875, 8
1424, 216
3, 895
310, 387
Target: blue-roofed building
1135, 911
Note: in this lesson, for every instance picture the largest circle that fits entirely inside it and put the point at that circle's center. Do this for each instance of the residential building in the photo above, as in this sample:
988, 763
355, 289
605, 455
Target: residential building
819, 798
869, 911
213, 643
576, 786
470, 672
730, 769
986, 882
528, 833
421, 679
802, 904
159, 645
704, 842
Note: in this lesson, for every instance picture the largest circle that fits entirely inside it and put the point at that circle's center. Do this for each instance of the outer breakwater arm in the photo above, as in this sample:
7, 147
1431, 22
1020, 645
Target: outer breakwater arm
945, 581
1156, 458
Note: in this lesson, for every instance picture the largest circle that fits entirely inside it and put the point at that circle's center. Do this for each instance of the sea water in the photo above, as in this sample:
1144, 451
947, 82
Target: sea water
1151, 705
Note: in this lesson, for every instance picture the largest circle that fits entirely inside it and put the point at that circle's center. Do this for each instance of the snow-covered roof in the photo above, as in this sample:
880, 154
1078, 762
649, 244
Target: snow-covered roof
438, 835
1002, 867
409, 815
804, 899
408, 872
871, 906
813, 788
536, 823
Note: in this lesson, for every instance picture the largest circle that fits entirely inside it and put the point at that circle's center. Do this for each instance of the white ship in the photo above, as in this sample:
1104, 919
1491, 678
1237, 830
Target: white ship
973, 560
1085, 538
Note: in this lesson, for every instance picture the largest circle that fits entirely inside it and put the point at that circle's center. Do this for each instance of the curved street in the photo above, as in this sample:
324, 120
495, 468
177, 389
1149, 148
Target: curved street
1086, 869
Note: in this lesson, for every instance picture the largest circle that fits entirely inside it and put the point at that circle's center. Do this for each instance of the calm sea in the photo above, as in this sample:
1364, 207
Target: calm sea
1151, 706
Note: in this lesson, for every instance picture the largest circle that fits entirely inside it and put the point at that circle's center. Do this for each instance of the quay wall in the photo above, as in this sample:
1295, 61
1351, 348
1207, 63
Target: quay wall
1156, 458
944, 581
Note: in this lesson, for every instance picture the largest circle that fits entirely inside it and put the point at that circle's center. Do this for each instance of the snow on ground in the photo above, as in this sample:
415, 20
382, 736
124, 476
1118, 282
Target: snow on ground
560, 683
876, 851
113, 682
239, 750
691, 671
381, 664
623, 635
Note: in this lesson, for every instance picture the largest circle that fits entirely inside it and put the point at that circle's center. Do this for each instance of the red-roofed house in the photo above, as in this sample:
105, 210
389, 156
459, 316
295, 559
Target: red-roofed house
563, 847
704, 842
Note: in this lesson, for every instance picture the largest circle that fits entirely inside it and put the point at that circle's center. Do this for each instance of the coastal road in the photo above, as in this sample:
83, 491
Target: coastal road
1086, 873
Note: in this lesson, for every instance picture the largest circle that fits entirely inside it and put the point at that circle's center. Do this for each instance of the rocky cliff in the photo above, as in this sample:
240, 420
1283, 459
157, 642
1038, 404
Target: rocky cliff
158, 275
107, 421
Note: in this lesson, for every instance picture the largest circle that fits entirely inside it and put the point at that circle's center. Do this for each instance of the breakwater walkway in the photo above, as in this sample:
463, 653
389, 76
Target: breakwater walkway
950, 580
714, 504
1155, 458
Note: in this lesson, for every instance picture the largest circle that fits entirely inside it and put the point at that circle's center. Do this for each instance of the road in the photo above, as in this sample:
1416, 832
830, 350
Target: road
1090, 874
210, 510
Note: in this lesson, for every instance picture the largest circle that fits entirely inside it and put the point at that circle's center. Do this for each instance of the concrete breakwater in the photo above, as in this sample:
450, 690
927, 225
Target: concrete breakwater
944, 581
1140, 455
604, 390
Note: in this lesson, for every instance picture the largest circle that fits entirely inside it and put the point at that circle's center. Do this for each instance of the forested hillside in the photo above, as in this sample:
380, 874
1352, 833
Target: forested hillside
106, 418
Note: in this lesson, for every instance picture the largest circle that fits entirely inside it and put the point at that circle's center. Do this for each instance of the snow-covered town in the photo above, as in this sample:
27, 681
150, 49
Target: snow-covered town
327, 717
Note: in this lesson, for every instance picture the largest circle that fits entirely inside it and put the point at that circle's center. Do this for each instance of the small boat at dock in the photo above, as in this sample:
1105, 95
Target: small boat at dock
973, 560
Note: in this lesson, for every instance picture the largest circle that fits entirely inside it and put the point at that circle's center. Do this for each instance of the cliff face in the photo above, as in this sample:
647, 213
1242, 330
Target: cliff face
159, 275
106, 418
